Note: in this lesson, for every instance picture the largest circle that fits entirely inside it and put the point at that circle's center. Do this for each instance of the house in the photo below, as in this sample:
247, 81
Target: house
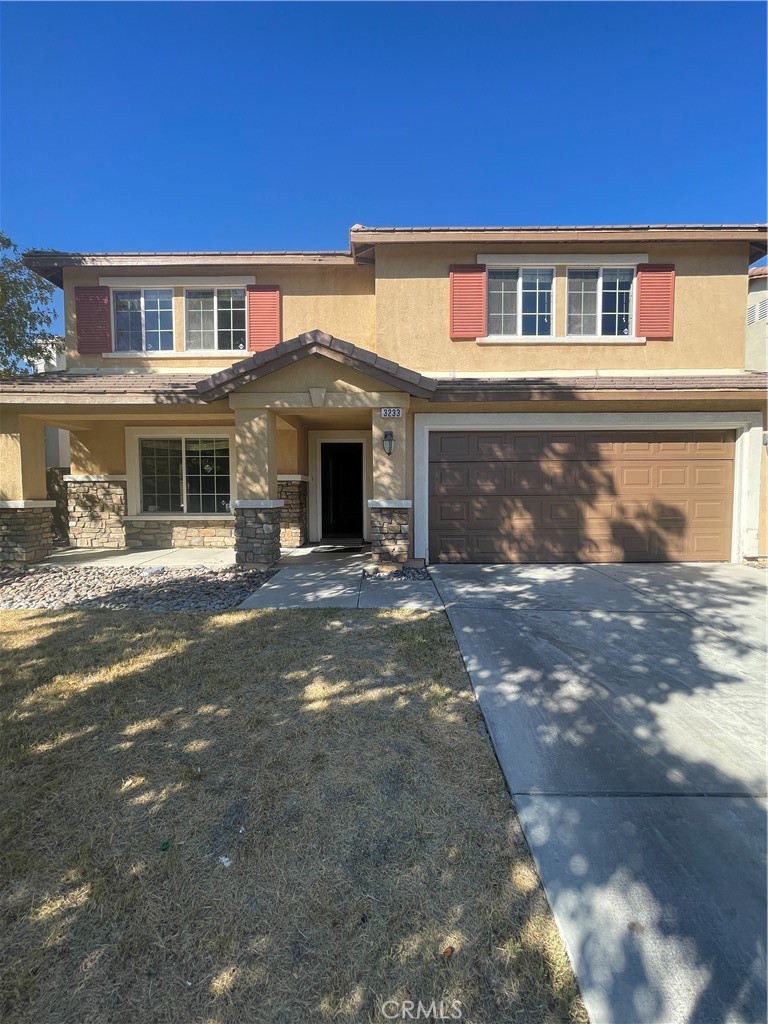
757, 319
448, 394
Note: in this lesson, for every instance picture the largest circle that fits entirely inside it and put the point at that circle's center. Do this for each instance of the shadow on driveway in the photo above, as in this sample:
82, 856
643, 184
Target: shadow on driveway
627, 706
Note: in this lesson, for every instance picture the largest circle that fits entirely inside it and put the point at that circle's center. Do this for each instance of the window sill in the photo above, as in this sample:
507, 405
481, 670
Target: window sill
240, 353
149, 517
506, 339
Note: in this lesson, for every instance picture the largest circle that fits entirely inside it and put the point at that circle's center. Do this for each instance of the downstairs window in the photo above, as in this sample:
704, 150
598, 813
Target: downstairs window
184, 474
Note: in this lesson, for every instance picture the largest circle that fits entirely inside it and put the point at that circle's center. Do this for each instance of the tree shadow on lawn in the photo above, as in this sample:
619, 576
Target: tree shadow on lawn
332, 757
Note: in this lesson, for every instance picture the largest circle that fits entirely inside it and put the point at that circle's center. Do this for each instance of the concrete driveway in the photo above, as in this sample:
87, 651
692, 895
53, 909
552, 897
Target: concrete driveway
627, 706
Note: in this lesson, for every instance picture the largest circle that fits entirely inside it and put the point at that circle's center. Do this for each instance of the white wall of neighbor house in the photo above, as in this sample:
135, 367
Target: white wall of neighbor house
749, 455
757, 324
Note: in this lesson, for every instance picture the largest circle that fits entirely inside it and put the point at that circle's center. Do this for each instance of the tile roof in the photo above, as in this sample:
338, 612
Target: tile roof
159, 387
188, 388
312, 343
478, 389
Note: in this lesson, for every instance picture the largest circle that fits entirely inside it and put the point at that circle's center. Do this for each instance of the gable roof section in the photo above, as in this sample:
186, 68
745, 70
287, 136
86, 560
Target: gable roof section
309, 344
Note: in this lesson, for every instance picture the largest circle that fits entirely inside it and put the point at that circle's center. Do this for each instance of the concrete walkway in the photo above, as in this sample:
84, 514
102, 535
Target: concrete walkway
340, 584
123, 558
627, 707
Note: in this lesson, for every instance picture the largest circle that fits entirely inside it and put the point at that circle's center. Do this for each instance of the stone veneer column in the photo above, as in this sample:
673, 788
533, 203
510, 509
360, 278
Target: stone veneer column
96, 511
293, 493
26, 531
390, 529
257, 531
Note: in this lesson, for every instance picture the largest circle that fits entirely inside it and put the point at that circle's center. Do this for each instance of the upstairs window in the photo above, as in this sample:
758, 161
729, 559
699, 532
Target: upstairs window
520, 302
216, 319
600, 301
143, 320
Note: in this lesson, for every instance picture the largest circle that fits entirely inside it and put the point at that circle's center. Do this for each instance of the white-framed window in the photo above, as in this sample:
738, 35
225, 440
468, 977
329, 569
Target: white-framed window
184, 474
599, 301
143, 319
520, 301
216, 319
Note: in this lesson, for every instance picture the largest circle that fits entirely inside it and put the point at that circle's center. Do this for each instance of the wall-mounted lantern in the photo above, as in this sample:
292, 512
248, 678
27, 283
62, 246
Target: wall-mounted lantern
388, 443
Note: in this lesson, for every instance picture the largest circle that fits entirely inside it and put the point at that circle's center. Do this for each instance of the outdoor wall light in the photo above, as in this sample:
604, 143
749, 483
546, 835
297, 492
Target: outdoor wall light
388, 443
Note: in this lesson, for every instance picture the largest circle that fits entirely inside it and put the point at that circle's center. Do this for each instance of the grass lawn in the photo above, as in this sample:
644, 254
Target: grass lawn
332, 758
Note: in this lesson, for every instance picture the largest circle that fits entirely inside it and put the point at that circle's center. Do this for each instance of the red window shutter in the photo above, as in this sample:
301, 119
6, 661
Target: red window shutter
263, 316
468, 301
655, 300
93, 320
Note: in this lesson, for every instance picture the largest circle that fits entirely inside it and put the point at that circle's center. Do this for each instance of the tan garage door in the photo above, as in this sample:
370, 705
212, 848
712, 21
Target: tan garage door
580, 496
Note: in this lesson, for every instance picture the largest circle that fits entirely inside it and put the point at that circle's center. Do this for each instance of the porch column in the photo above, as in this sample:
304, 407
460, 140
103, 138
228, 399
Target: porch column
292, 481
257, 507
256, 444
389, 509
26, 531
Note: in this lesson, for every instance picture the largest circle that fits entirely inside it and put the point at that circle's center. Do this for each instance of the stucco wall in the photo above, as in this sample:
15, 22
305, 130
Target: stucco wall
412, 313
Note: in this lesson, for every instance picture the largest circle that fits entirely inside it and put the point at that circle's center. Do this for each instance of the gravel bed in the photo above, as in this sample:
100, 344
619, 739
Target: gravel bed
398, 574
195, 589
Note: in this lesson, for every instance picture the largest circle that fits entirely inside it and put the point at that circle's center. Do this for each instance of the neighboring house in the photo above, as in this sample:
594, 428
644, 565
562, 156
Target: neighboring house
56, 440
757, 320
451, 394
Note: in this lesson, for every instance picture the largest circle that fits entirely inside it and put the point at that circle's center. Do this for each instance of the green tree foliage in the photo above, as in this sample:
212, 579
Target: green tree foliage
26, 314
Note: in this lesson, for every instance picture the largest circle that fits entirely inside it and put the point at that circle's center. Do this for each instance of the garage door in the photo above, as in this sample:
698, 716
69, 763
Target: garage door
580, 496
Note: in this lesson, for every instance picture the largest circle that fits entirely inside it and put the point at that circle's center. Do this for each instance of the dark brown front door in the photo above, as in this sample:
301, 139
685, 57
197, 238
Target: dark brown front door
341, 487
580, 496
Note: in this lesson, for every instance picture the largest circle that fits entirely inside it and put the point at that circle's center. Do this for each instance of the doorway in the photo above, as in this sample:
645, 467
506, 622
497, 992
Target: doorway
341, 489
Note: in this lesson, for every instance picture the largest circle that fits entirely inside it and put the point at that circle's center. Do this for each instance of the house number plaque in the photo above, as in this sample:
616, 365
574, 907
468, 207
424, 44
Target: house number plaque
391, 413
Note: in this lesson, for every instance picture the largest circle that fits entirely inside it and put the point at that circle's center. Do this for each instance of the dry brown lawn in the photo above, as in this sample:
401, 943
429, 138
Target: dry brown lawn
334, 758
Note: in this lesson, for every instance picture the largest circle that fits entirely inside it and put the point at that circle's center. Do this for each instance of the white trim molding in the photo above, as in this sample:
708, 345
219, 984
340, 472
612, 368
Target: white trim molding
316, 438
225, 281
84, 478
182, 517
133, 475
292, 478
390, 503
571, 339
746, 483
257, 503
561, 259
27, 503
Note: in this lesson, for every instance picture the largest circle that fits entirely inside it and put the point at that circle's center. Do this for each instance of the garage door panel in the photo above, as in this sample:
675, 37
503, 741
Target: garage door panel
581, 496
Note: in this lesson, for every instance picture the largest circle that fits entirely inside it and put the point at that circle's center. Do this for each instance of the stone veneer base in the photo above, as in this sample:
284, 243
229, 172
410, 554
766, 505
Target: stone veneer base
294, 515
257, 535
390, 534
96, 513
26, 535
172, 533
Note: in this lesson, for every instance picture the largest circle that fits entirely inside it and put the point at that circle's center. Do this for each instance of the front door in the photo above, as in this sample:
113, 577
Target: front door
341, 488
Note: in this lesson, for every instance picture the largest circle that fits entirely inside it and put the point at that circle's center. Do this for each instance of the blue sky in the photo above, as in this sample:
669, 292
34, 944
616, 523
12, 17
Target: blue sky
277, 126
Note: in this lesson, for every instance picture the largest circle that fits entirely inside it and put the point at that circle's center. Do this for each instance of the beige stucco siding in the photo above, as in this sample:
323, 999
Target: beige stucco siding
338, 300
412, 313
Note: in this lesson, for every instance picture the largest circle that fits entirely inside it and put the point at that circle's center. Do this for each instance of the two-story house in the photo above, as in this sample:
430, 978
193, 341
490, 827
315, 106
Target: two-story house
448, 394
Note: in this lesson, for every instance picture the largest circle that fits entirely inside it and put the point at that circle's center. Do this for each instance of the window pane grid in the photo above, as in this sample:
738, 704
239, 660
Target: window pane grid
536, 302
143, 320
216, 319
502, 301
616, 308
600, 297
196, 468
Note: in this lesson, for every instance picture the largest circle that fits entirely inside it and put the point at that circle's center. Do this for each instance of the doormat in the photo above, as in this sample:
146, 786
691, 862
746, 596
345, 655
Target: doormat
337, 547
